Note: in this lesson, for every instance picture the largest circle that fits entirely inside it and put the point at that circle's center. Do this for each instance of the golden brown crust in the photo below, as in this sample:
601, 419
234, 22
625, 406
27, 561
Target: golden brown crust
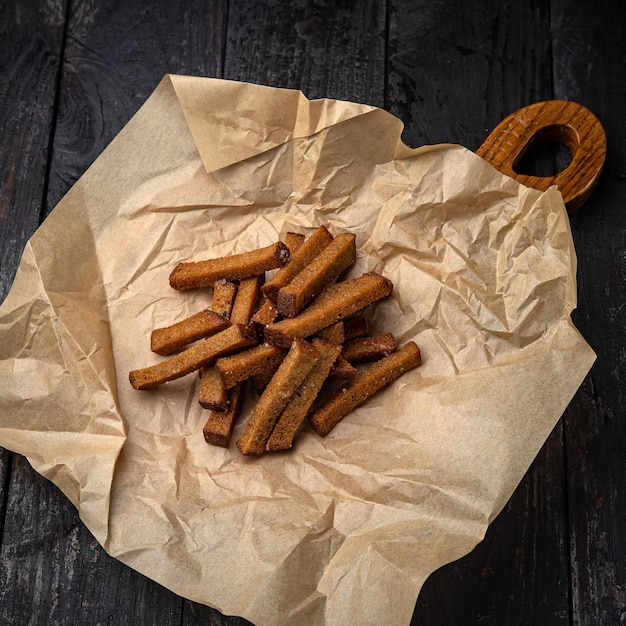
337, 256
243, 365
207, 351
246, 300
334, 304
293, 241
335, 333
354, 327
289, 372
195, 274
296, 365
202, 324
224, 293
293, 414
366, 349
261, 380
219, 425
342, 370
372, 379
212, 393
305, 254
265, 314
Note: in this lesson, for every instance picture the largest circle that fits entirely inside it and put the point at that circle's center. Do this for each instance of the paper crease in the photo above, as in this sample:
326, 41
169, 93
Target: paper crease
339, 530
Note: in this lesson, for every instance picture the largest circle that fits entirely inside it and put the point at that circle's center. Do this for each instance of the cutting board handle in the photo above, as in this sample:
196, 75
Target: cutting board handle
553, 121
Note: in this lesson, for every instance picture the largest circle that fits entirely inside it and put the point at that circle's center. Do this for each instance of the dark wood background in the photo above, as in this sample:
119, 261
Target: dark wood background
73, 72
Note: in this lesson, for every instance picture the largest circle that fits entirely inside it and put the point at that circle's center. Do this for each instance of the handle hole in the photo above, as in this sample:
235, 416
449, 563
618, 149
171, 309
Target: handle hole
549, 152
548, 159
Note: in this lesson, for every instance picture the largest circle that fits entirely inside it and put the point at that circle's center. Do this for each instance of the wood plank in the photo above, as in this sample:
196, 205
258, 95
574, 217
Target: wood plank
518, 573
456, 70
6, 461
588, 49
32, 38
325, 48
286, 44
51, 569
30, 60
115, 58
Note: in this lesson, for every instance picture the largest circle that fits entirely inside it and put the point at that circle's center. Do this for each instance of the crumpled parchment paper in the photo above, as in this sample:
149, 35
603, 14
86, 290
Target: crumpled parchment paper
339, 530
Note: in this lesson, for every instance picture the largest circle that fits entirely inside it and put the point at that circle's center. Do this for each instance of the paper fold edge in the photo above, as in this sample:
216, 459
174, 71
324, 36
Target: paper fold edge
255, 109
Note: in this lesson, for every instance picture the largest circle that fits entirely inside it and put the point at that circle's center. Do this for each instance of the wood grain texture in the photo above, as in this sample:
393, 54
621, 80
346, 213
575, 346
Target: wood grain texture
116, 54
325, 48
457, 68
75, 72
50, 565
31, 44
53, 570
551, 121
442, 55
6, 461
586, 41
519, 573
31, 36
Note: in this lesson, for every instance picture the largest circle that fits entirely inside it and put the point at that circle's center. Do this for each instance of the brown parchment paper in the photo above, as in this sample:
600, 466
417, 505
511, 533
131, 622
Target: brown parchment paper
339, 530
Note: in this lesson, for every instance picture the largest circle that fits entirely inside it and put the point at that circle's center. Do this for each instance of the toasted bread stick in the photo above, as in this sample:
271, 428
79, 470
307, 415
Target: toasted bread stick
293, 241
312, 246
335, 303
267, 311
366, 349
246, 300
342, 370
235, 337
264, 315
335, 333
195, 274
224, 293
169, 339
212, 394
355, 326
337, 256
248, 363
296, 365
219, 425
372, 379
293, 414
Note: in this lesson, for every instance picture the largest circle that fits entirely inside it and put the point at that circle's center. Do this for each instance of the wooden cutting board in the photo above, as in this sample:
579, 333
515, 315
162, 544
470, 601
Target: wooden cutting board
553, 121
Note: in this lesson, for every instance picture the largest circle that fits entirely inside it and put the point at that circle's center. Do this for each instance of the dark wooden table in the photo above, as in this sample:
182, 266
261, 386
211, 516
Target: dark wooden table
73, 73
